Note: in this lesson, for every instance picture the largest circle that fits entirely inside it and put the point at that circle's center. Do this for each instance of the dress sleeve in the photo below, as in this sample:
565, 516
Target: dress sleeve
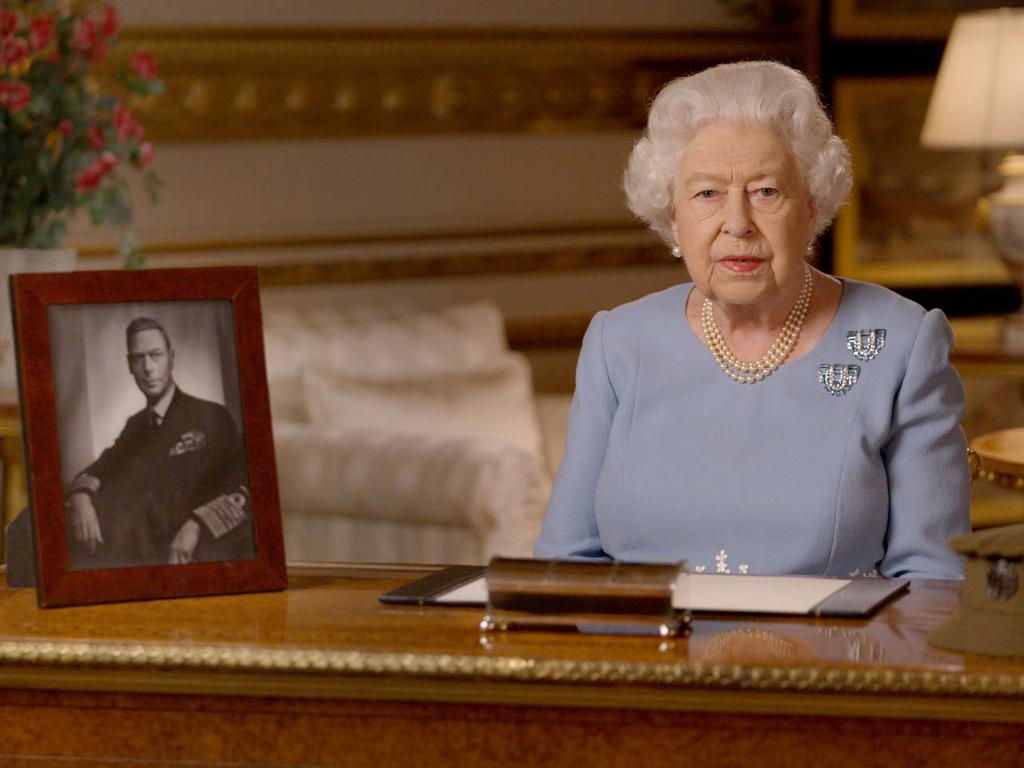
926, 462
570, 525
226, 499
91, 479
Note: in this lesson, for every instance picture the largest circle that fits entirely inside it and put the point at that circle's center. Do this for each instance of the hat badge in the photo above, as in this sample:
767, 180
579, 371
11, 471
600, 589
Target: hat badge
1002, 582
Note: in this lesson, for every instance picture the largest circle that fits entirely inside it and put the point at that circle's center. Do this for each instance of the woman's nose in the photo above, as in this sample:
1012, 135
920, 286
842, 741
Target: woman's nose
737, 216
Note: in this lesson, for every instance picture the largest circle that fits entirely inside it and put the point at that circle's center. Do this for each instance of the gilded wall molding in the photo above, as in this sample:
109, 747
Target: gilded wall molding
238, 86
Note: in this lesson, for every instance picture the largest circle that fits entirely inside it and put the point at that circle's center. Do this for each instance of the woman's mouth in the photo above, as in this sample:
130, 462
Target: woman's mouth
741, 263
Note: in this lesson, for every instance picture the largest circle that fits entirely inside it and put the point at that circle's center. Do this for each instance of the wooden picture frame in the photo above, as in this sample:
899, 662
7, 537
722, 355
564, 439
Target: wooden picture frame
195, 483
910, 218
922, 20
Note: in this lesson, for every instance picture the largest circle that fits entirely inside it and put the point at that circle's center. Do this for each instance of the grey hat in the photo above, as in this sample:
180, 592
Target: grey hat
990, 619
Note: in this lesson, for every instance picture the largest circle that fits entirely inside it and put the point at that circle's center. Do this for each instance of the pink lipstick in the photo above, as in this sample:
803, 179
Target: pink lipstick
741, 264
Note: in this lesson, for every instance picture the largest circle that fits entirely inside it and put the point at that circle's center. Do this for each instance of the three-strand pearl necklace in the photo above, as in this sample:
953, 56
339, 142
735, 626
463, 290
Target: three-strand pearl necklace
758, 370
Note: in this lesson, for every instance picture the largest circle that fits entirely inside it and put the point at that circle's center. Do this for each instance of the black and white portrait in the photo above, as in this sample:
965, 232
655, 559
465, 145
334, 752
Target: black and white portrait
152, 451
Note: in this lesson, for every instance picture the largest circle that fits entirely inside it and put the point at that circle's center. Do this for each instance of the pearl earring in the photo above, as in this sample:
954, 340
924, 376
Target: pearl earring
676, 252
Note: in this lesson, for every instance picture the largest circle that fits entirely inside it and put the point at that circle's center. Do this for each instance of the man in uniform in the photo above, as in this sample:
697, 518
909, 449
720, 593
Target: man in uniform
173, 488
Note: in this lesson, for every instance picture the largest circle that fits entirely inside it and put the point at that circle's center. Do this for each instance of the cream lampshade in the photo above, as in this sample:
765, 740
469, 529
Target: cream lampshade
978, 103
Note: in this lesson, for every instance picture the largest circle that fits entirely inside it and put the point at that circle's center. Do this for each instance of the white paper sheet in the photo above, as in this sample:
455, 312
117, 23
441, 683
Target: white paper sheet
712, 592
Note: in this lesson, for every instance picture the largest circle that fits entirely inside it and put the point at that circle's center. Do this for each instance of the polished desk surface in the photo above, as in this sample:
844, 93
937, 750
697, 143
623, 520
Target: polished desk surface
328, 635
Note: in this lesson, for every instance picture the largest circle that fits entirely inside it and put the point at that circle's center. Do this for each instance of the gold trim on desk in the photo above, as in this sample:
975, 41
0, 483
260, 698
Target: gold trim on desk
334, 668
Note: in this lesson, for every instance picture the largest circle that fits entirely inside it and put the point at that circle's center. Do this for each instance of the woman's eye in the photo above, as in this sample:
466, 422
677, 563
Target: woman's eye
767, 191
706, 194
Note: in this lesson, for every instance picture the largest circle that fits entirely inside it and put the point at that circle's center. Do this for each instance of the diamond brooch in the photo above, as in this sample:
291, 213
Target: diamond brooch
866, 343
838, 378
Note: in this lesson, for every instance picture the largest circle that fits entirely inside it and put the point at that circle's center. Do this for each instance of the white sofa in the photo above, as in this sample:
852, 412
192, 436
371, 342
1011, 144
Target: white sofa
407, 436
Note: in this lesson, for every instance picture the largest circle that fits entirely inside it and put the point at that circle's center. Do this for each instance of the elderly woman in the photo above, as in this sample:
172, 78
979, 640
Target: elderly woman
766, 418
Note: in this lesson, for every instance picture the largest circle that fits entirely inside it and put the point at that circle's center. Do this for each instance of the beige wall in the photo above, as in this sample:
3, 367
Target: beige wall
329, 199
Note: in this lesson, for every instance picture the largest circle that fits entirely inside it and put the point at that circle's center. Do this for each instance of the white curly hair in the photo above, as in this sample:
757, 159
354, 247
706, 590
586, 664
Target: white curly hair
762, 92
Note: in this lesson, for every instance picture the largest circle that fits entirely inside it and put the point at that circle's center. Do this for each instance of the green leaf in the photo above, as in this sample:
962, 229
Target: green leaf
119, 207
129, 251
97, 206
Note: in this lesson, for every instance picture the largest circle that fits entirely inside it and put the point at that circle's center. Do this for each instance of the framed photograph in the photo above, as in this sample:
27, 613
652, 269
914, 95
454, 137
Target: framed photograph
147, 432
901, 19
910, 219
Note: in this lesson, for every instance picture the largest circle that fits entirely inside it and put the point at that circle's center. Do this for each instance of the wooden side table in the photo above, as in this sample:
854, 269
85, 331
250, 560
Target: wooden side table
992, 370
12, 459
980, 349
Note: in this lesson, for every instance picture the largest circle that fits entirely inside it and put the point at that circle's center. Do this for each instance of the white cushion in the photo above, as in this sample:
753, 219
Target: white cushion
553, 416
375, 344
497, 490
495, 402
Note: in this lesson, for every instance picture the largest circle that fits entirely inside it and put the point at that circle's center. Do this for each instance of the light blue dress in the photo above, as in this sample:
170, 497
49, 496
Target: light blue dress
667, 458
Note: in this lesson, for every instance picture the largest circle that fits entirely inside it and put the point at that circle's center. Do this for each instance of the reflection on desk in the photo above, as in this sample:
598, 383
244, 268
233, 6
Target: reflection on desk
324, 674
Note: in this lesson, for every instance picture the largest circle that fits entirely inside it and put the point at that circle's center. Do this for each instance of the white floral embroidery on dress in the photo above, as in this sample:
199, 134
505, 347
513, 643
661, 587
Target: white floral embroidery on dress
721, 562
722, 565
872, 574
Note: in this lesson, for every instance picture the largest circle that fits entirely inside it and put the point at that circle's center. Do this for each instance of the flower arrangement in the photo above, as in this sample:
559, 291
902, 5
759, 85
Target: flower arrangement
64, 144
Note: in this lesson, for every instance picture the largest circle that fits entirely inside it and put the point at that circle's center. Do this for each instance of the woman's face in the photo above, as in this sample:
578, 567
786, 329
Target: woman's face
742, 216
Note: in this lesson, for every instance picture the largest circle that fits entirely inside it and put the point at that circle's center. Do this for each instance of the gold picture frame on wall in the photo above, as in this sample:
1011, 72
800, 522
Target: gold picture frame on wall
900, 19
910, 218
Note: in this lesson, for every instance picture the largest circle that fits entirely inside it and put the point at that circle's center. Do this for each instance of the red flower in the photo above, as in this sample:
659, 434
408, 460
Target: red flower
144, 65
14, 96
125, 125
109, 22
99, 51
91, 176
66, 127
85, 37
144, 156
95, 137
108, 160
40, 31
8, 23
14, 51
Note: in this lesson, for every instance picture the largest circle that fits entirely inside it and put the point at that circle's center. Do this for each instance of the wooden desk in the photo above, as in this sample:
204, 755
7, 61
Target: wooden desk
324, 675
